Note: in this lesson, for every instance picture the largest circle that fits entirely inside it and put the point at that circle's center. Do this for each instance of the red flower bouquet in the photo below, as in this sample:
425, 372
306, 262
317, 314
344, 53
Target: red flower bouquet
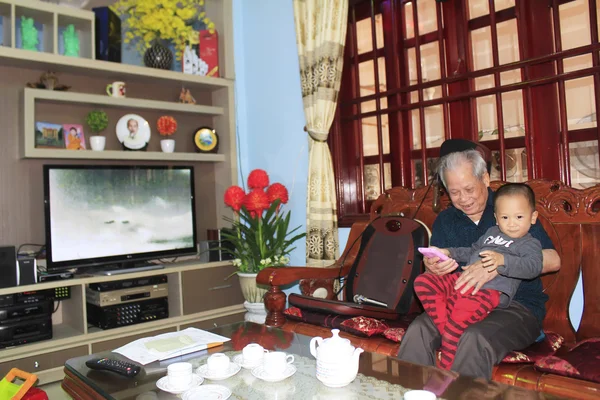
260, 236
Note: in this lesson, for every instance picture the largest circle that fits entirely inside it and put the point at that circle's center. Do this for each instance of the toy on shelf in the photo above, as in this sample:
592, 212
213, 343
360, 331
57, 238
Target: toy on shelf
186, 97
71, 41
29, 34
48, 80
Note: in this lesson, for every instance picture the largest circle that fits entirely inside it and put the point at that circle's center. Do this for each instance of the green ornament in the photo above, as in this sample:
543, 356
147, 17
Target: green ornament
29, 34
71, 41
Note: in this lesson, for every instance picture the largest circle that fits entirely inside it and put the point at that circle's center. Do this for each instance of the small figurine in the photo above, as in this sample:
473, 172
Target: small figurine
48, 80
186, 97
71, 41
29, 34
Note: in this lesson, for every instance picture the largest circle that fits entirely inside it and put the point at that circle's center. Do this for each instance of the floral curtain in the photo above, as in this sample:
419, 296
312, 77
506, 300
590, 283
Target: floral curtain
320, 36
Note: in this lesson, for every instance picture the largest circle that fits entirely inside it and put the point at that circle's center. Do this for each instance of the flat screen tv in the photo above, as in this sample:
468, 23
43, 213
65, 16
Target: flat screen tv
117, 216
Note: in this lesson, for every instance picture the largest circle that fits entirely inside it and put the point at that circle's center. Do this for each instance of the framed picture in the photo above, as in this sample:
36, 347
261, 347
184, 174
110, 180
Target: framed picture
133, 132
74, 138
49, 136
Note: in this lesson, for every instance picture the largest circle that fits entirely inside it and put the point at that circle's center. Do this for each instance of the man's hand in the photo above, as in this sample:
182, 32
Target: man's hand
437, 267
491, 260
473, 277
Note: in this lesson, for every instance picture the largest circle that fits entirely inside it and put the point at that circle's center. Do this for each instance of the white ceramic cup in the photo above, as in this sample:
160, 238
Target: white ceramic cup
276, 362
116, 89
167, 145
218, 363
180, 375
253, 353
97, 143
419, 395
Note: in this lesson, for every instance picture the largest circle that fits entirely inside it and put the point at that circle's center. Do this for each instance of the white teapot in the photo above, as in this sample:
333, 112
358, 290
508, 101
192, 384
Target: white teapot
337, 359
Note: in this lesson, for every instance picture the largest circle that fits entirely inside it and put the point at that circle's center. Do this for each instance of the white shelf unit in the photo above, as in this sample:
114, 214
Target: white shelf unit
53, 19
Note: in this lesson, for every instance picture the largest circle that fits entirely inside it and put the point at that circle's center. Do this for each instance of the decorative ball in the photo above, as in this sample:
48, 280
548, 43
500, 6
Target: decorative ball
166, 125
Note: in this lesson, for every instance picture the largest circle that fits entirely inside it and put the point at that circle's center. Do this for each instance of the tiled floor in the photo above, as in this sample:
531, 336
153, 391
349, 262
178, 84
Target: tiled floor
55, 392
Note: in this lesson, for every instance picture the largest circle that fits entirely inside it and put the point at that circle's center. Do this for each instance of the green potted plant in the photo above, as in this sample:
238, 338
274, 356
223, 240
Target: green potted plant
260, 236
97, 121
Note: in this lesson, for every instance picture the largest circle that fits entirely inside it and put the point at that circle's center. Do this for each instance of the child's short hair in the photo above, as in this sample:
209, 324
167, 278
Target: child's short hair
511, 189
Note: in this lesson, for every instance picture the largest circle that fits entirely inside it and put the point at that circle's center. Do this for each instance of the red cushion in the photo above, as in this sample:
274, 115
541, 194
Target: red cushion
536, 351
293, 313
394, 334
363, 326
582, 361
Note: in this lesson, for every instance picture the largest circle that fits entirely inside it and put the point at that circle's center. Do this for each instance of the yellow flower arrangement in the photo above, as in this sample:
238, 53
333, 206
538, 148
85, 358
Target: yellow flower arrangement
170, 20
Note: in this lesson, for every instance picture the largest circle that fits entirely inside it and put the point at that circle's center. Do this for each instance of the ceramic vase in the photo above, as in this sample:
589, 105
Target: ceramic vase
158, 56
254, 295
167, 145
97, 143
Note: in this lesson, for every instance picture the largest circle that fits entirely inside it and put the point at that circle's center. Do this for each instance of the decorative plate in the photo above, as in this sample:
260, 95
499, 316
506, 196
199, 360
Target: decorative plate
163, 384
204, 372
207, 392
133, 132
206, 140
260, 373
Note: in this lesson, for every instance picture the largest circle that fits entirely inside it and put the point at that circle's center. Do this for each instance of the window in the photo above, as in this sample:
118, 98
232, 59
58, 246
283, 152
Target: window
417, 72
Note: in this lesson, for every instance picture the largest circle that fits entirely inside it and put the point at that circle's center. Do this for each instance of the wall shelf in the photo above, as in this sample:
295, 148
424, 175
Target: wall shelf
120, 155
31, 95
111, 71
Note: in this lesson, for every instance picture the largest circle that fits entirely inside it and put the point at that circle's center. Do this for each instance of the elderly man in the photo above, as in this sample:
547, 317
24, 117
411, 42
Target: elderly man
485, 343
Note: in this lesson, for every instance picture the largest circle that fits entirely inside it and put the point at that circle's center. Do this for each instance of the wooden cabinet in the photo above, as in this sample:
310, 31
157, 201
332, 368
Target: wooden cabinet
74, 337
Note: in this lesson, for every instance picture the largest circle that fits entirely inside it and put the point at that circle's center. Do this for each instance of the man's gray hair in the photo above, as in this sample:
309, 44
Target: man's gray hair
453, 160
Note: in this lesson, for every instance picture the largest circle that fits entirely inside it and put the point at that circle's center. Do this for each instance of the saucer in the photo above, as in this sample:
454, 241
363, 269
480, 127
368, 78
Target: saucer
204, 372
260, 373
163, 384
207, 392
239, 360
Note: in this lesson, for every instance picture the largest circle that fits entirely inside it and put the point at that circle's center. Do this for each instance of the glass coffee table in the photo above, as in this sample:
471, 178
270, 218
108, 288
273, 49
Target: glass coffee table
380, 377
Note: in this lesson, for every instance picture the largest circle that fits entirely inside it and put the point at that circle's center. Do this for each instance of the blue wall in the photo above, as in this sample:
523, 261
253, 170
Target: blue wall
270, 117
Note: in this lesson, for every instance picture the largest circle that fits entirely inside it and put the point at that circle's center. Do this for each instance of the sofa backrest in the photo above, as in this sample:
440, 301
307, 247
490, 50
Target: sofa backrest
572, 219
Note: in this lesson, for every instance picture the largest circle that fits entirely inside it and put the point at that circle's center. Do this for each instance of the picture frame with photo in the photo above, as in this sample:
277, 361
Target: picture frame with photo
74, 137
49, 136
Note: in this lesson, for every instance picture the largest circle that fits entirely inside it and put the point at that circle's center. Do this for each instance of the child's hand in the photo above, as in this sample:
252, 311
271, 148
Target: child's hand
491, 259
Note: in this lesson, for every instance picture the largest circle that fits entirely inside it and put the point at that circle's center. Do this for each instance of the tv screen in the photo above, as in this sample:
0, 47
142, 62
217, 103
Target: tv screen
100, 215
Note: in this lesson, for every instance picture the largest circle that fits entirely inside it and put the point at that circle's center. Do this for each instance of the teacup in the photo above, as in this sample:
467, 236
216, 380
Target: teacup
179, 375
253, 353
218, 363
419, 395
276, 362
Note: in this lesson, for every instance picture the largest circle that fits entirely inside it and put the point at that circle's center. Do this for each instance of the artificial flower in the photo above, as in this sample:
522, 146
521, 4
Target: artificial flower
260, 237
166, 125
234, 197
258, 179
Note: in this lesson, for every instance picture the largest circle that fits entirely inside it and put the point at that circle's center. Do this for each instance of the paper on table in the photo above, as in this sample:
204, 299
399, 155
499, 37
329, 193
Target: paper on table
168, 345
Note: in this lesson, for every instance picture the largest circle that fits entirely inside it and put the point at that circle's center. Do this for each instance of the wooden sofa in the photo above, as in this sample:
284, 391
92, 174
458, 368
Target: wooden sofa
572, 219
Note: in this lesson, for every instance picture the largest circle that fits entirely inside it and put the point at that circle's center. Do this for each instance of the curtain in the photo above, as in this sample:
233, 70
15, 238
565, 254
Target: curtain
320, 36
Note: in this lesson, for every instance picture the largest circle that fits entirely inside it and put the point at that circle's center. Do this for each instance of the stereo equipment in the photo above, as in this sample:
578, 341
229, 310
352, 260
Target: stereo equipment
25, 312
26, 271
8, 270
127, 314
15, 333
123, 296
128, 283
35, 296
213, 247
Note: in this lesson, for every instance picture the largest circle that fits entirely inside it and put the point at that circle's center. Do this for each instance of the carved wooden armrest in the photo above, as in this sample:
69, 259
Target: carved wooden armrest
274, 277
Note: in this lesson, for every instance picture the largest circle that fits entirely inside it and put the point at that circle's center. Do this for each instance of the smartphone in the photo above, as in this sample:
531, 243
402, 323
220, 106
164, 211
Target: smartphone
429, 252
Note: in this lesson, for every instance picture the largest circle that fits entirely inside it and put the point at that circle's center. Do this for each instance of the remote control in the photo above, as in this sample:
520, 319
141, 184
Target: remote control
124, 368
